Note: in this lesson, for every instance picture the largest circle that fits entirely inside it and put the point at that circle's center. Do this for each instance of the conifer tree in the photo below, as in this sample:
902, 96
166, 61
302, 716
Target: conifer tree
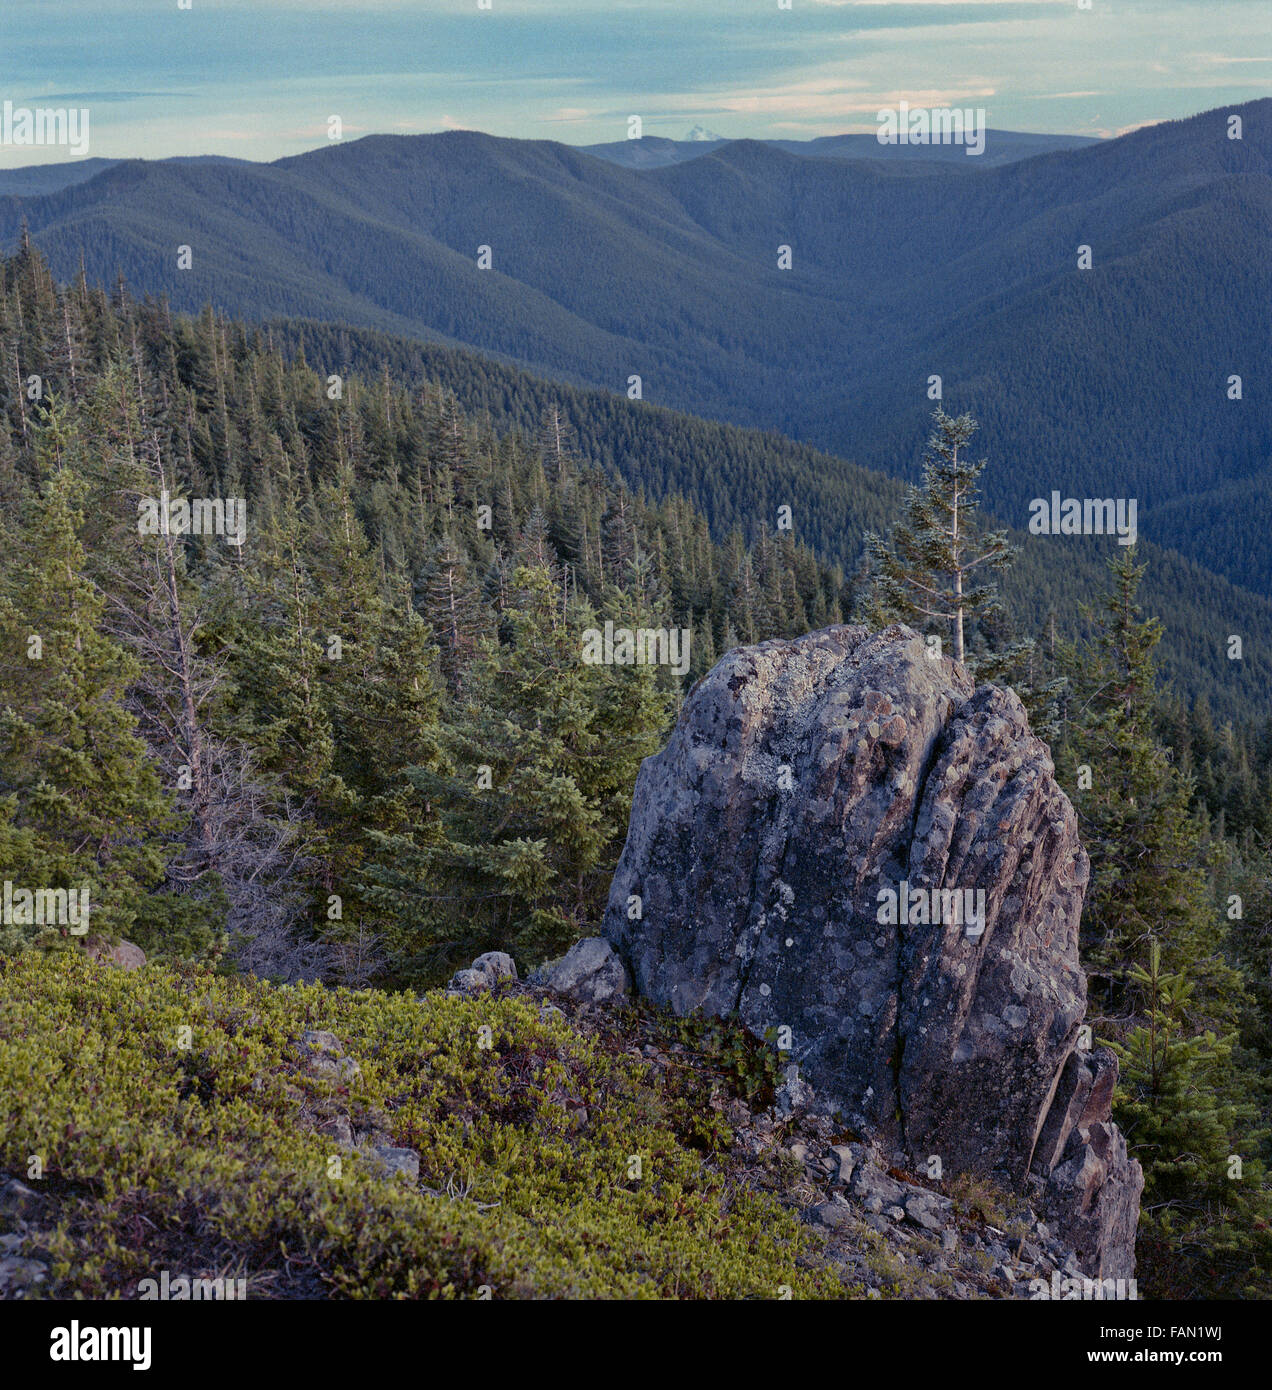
929, 570
1181, 1106
84, 807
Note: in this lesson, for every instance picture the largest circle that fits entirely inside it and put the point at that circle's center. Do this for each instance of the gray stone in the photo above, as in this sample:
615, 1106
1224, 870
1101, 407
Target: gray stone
472, 981
121, 953
17, 1199
590, 971
339, 1128
869, 1182
794, 1094
326, 1056
833, 1214
393, 1161
847, 1162
497, 964
924, 1211
18, 1274
805, 782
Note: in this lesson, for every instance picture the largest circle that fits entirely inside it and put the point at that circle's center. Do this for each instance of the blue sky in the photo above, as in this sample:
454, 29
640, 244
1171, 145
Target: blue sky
260, 78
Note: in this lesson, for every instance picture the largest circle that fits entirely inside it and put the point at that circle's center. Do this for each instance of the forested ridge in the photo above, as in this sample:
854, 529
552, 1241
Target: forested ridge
1113, 380
355, 742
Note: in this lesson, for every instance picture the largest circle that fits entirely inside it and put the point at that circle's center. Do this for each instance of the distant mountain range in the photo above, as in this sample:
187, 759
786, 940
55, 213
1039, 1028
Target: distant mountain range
38, 179
1001, 147
649, 152
1113, 381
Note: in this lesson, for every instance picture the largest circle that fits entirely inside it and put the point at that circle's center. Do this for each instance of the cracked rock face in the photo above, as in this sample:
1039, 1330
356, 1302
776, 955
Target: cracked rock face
847, 840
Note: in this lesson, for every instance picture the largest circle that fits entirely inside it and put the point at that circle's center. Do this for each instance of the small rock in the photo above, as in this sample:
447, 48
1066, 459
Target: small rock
847, 1162
868, 1181
472, 981
920, 1211
17, 1199
121, 953
833, 1214
326, 1055
794, 1095
17, 1274
590, 971
392, 1161
497, 964
338, 1128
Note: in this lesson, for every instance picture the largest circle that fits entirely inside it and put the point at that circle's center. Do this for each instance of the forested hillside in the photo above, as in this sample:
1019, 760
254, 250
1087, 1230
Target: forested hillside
738, 479
1114, 379
402, 605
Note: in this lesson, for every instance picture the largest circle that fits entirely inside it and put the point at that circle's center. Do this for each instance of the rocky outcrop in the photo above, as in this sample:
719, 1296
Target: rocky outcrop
847, 843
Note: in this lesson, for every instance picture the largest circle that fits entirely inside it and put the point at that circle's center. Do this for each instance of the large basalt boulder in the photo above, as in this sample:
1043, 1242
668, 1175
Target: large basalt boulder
846, 839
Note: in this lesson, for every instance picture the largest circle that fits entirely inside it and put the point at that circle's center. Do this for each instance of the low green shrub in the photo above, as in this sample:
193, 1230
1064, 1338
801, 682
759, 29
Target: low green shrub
175, 1116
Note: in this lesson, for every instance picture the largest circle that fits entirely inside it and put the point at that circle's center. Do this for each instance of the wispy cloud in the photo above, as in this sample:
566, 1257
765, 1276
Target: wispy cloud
261, 77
